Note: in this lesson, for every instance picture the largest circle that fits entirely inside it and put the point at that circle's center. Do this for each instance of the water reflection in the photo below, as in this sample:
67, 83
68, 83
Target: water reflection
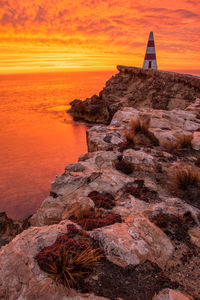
37, 137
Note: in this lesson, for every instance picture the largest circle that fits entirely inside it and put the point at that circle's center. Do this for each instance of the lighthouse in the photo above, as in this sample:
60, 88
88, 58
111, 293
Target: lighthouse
150, 56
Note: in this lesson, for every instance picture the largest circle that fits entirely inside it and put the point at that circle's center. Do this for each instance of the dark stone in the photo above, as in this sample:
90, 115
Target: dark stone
10, 228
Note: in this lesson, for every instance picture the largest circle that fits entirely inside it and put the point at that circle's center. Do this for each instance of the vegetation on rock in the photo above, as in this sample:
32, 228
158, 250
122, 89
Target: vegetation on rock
175, 227
185, 182
68, 260
140, 191
93, 221
104, 200
182, 142
185, 177
140, 125
91, 218
124, 166
130, 141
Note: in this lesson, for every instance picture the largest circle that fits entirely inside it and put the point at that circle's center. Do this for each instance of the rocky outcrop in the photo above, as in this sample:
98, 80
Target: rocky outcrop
10, 228
158, 225
138, 88
20, 275
166, 126
135, 195
134, 241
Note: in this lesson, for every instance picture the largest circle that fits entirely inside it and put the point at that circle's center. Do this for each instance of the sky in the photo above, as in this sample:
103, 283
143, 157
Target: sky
61, 35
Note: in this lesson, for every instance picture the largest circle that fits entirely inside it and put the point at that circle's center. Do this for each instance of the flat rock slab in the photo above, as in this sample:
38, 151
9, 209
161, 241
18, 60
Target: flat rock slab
134, 242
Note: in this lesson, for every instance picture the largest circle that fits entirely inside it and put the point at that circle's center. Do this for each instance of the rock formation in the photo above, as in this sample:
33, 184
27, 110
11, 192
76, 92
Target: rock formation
10, 228
138, 88
136, 194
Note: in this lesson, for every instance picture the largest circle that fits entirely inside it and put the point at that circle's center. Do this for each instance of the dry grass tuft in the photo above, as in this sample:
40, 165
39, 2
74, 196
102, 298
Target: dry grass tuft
140, 125
183, 142
185, 177
139, 128
70, 258
138, 133
69, 267
171, 146
130, 137
130, 141
78, 212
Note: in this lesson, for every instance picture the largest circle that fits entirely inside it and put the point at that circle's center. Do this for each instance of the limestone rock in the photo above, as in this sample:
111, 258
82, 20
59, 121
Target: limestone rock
90, 110
195, 236
195, 106
100, 138
138, 88
140, 160
196, 140
98, 175
20, 275
165, 126
168, 294
10, 228
133, 242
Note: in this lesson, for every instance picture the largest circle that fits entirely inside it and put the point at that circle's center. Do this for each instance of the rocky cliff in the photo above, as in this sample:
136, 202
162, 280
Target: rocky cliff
138, 88
136, 196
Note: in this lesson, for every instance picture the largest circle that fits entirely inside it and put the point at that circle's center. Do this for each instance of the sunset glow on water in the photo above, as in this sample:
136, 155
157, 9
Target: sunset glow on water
38, 138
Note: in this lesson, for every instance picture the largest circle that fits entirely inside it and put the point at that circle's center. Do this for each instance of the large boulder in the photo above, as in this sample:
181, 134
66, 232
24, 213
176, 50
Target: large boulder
134, 242
20, 275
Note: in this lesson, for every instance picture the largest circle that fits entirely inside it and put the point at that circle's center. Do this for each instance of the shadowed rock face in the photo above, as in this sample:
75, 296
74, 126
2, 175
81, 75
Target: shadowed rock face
10, 228
138, 88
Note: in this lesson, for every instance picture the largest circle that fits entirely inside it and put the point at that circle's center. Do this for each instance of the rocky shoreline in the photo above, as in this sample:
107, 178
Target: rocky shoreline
138, 88
135, 196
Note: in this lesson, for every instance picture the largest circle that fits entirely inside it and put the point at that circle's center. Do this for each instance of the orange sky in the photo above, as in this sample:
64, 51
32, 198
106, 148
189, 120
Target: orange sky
51, 35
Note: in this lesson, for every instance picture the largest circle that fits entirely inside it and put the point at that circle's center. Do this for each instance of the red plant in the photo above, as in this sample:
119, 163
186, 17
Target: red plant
68, 260
104, 200
92, 222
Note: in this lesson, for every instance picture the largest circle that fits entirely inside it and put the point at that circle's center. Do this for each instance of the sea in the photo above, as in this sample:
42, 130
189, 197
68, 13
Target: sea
37, 137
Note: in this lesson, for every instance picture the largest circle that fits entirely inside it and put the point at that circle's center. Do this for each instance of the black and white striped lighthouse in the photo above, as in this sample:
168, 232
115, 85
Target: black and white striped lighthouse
150, 56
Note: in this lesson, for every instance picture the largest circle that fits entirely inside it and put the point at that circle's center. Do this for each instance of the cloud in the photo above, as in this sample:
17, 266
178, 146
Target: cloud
101, 26
41, 15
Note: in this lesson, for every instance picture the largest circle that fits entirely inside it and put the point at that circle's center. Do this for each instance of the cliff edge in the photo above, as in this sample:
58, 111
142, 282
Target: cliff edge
138, 88
123, 222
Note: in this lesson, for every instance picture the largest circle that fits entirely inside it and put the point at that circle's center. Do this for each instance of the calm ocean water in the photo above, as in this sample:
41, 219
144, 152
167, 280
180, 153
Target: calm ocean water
37, 137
